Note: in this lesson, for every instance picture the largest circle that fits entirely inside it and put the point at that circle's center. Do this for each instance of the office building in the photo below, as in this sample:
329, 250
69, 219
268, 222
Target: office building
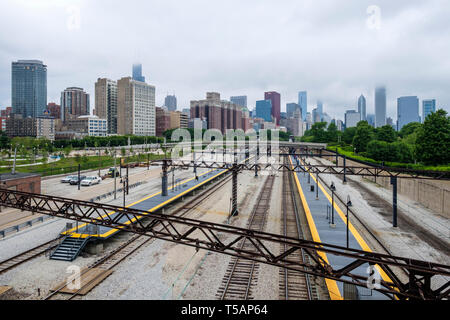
276, 104
29, 88
135, 108
162, 120
219, 114
371, 119
303, 103
239, 100
407, 111
137, 72
264, 110
290, 109
170, 102
88, 125
352, 118
39, 127
106, 103
362, 107
6, 112
320, 109
74, 103
428, 106
54, 110
380, 107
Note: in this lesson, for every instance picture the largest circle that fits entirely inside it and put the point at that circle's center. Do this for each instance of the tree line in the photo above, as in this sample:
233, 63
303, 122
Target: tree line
426, 143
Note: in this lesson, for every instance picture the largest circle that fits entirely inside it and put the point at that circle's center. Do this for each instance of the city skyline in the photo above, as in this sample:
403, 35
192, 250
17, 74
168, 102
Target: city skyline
330, 76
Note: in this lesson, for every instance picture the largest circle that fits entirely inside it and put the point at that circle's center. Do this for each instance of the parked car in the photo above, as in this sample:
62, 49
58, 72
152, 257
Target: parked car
74, 180
111, 172
89, 181
67, 179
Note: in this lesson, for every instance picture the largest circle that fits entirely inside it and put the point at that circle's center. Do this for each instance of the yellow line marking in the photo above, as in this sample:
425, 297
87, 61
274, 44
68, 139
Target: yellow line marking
355, 233
332, 286
132, 204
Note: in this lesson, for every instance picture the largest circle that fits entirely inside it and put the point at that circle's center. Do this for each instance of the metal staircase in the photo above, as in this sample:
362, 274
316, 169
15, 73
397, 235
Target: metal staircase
69, 248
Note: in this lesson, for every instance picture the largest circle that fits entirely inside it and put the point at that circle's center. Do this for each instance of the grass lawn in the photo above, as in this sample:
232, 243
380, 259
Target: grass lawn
68, 165
351, 154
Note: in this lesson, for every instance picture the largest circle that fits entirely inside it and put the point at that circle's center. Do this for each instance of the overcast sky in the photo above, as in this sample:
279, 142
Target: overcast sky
335, 50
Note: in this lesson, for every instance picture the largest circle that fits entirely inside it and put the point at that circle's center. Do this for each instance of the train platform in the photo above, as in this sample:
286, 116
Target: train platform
319, 217
150, 204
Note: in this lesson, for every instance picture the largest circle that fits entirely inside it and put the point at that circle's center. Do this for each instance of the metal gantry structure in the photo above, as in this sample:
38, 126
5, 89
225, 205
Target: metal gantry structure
210, 236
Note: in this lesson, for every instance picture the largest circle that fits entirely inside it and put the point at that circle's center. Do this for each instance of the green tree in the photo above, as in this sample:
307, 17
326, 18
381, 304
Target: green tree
386, 133
408, 129
433, 139
377, 150
348, 135
363, 135
332, 133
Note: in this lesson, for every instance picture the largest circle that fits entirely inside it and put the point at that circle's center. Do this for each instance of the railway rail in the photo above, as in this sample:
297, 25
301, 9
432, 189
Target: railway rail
27, 255
116, 256
294, 285
241, 274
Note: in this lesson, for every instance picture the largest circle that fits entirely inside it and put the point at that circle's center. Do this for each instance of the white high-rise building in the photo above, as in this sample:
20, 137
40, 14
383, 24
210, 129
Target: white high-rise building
135, 108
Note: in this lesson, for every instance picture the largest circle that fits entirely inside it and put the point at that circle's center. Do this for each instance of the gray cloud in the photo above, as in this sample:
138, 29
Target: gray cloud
236, 47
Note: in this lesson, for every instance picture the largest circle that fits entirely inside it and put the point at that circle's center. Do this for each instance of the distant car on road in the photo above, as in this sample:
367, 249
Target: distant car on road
111, 172
89, 181
74, 180
67, 179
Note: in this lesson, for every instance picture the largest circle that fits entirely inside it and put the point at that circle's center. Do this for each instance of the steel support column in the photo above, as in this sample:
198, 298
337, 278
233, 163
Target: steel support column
394, 201
164, 179
234, 208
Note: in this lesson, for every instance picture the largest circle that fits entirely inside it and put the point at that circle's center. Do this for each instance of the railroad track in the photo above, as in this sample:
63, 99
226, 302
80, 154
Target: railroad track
25, 256
115, 257
241, 274
293, 285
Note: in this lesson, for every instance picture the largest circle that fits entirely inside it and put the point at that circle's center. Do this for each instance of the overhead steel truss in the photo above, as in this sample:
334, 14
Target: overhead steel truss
363, 170
225, 239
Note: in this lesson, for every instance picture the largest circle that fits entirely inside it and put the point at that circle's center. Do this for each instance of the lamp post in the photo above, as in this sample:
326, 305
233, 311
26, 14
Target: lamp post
333, 189
348, 204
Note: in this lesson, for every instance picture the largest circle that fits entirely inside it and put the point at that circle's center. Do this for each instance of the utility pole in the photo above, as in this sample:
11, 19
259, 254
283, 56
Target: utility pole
115, 176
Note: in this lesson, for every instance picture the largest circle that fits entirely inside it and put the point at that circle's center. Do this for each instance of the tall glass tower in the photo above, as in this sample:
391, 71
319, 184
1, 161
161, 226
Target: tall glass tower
428, 106
302, 101
29, 88
137, 72
362, 107
407, 111
380, 107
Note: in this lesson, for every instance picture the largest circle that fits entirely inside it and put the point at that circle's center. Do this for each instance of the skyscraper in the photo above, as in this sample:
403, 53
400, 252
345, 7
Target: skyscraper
239, 100
290, 109
264, 110
407, 111
106, 103
276, 104
302, 101
352, 118
428, 106
380, 106
170, 102
29, 88
320, 109
362, 107
137, 72
135, 108
74, 103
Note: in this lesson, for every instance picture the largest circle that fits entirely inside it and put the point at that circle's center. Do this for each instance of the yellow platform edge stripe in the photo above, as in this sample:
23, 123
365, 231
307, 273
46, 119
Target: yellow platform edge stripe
78, 235
352, 229
332, 286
